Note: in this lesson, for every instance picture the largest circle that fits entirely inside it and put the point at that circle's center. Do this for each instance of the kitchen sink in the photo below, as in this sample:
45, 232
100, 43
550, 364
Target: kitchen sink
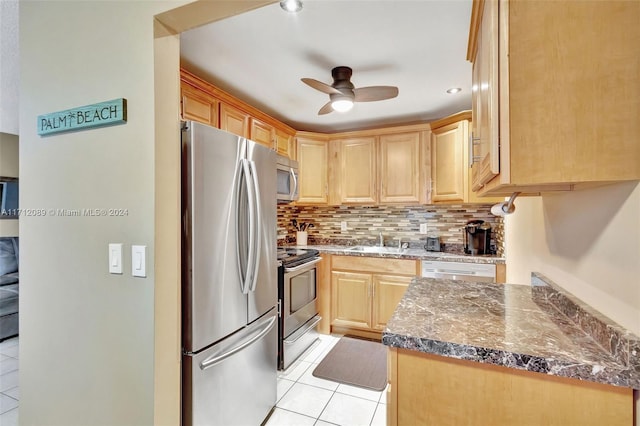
378, 249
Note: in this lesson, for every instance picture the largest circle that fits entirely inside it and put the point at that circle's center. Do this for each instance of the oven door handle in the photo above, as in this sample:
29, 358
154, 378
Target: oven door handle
304, 265
301, 332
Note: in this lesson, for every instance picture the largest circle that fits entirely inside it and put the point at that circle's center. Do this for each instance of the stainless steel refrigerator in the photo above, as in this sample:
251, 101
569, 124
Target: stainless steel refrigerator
230, 289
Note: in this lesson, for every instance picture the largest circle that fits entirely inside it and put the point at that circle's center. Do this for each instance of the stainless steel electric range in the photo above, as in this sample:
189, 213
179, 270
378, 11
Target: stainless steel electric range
297, 301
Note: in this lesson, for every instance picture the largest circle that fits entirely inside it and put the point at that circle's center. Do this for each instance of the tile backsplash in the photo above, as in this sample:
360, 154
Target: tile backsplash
364, 223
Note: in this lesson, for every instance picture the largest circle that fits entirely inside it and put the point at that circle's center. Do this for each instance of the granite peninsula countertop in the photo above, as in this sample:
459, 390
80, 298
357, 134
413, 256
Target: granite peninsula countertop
411, 253
539, 328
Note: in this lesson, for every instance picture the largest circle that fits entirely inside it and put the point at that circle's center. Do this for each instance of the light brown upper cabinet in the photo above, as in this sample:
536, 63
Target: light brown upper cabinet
234, 120
358, 170
450, 162
262, 133
484, 144
313, 177
400, 168
565, 77
284, 143
205, 103
380, 166
198, 106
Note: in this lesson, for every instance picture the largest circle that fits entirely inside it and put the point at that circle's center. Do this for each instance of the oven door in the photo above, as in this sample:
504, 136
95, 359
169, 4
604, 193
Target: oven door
300, 295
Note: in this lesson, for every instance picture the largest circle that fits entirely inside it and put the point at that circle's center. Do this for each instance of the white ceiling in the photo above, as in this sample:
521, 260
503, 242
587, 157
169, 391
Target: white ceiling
260, 56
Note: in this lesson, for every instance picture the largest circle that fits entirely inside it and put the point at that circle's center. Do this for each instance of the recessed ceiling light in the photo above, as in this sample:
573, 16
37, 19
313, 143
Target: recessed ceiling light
292, 6
454, 90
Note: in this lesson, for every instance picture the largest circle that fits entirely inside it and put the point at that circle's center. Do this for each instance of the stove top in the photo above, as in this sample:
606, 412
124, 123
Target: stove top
290, 255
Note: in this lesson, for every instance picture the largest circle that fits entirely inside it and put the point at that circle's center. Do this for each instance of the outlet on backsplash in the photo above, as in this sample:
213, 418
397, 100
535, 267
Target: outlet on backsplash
423, 228
343, 226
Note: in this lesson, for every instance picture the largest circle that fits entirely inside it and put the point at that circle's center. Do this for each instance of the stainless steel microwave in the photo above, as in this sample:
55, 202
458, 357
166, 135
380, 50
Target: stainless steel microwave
287, 179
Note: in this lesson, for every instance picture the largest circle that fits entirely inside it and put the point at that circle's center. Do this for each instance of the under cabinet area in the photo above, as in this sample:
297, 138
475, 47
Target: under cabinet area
567, 96
366, 290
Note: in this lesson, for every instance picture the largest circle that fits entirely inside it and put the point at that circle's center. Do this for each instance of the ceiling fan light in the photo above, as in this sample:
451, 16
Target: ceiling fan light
342, 105
291, 6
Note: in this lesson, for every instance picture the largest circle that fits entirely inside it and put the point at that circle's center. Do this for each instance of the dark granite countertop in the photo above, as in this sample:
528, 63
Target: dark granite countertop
411, 253
538, 328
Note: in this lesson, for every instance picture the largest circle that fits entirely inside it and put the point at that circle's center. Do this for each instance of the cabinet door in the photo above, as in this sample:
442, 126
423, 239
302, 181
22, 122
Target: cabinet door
313, 157
485, 147
262, 133
358, 170
351, 299
387, 292
400, 168
448, 163
233, 120
283, 143
199, 106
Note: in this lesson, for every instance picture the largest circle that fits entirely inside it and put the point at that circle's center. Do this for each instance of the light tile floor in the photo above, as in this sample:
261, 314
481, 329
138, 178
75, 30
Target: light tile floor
9, 389
307, 400
302, 398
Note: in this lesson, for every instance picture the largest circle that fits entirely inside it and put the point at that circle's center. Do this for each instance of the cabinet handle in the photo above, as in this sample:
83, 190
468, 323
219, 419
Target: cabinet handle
472, 158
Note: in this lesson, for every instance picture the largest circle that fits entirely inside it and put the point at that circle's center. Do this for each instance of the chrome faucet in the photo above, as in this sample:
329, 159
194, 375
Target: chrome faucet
380, 240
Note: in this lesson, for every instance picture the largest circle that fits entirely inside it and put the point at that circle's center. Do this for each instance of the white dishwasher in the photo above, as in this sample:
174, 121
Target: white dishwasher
480, 272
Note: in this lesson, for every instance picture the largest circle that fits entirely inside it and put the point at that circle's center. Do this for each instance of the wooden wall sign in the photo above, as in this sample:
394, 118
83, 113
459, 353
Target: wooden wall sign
84, 117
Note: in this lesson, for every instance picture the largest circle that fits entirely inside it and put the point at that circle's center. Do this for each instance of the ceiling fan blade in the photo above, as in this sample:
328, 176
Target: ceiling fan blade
318, 85
326, 109
375, 93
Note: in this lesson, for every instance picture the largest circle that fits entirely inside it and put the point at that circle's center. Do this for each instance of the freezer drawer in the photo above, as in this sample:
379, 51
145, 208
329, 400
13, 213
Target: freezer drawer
233, 382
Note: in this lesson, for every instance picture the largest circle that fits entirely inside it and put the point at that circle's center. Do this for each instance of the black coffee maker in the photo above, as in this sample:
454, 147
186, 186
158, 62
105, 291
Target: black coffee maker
477, 237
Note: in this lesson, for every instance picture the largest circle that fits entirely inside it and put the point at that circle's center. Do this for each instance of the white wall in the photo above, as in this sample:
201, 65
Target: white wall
86, 337
9, 70
587, 242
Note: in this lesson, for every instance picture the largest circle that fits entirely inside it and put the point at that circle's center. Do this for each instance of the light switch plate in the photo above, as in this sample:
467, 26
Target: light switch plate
423, 228
115, 258
139, 261
343, 226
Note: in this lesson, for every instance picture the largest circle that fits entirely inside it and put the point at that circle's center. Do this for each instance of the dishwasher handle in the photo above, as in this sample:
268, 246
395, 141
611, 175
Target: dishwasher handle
466, 276
454, 271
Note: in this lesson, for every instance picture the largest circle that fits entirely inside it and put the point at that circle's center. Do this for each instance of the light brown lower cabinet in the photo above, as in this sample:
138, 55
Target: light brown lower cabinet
366, 290
427, 389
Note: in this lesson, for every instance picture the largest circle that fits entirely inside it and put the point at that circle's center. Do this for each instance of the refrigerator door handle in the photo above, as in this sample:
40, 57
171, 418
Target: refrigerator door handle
262, 328
257, 231
247, 276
